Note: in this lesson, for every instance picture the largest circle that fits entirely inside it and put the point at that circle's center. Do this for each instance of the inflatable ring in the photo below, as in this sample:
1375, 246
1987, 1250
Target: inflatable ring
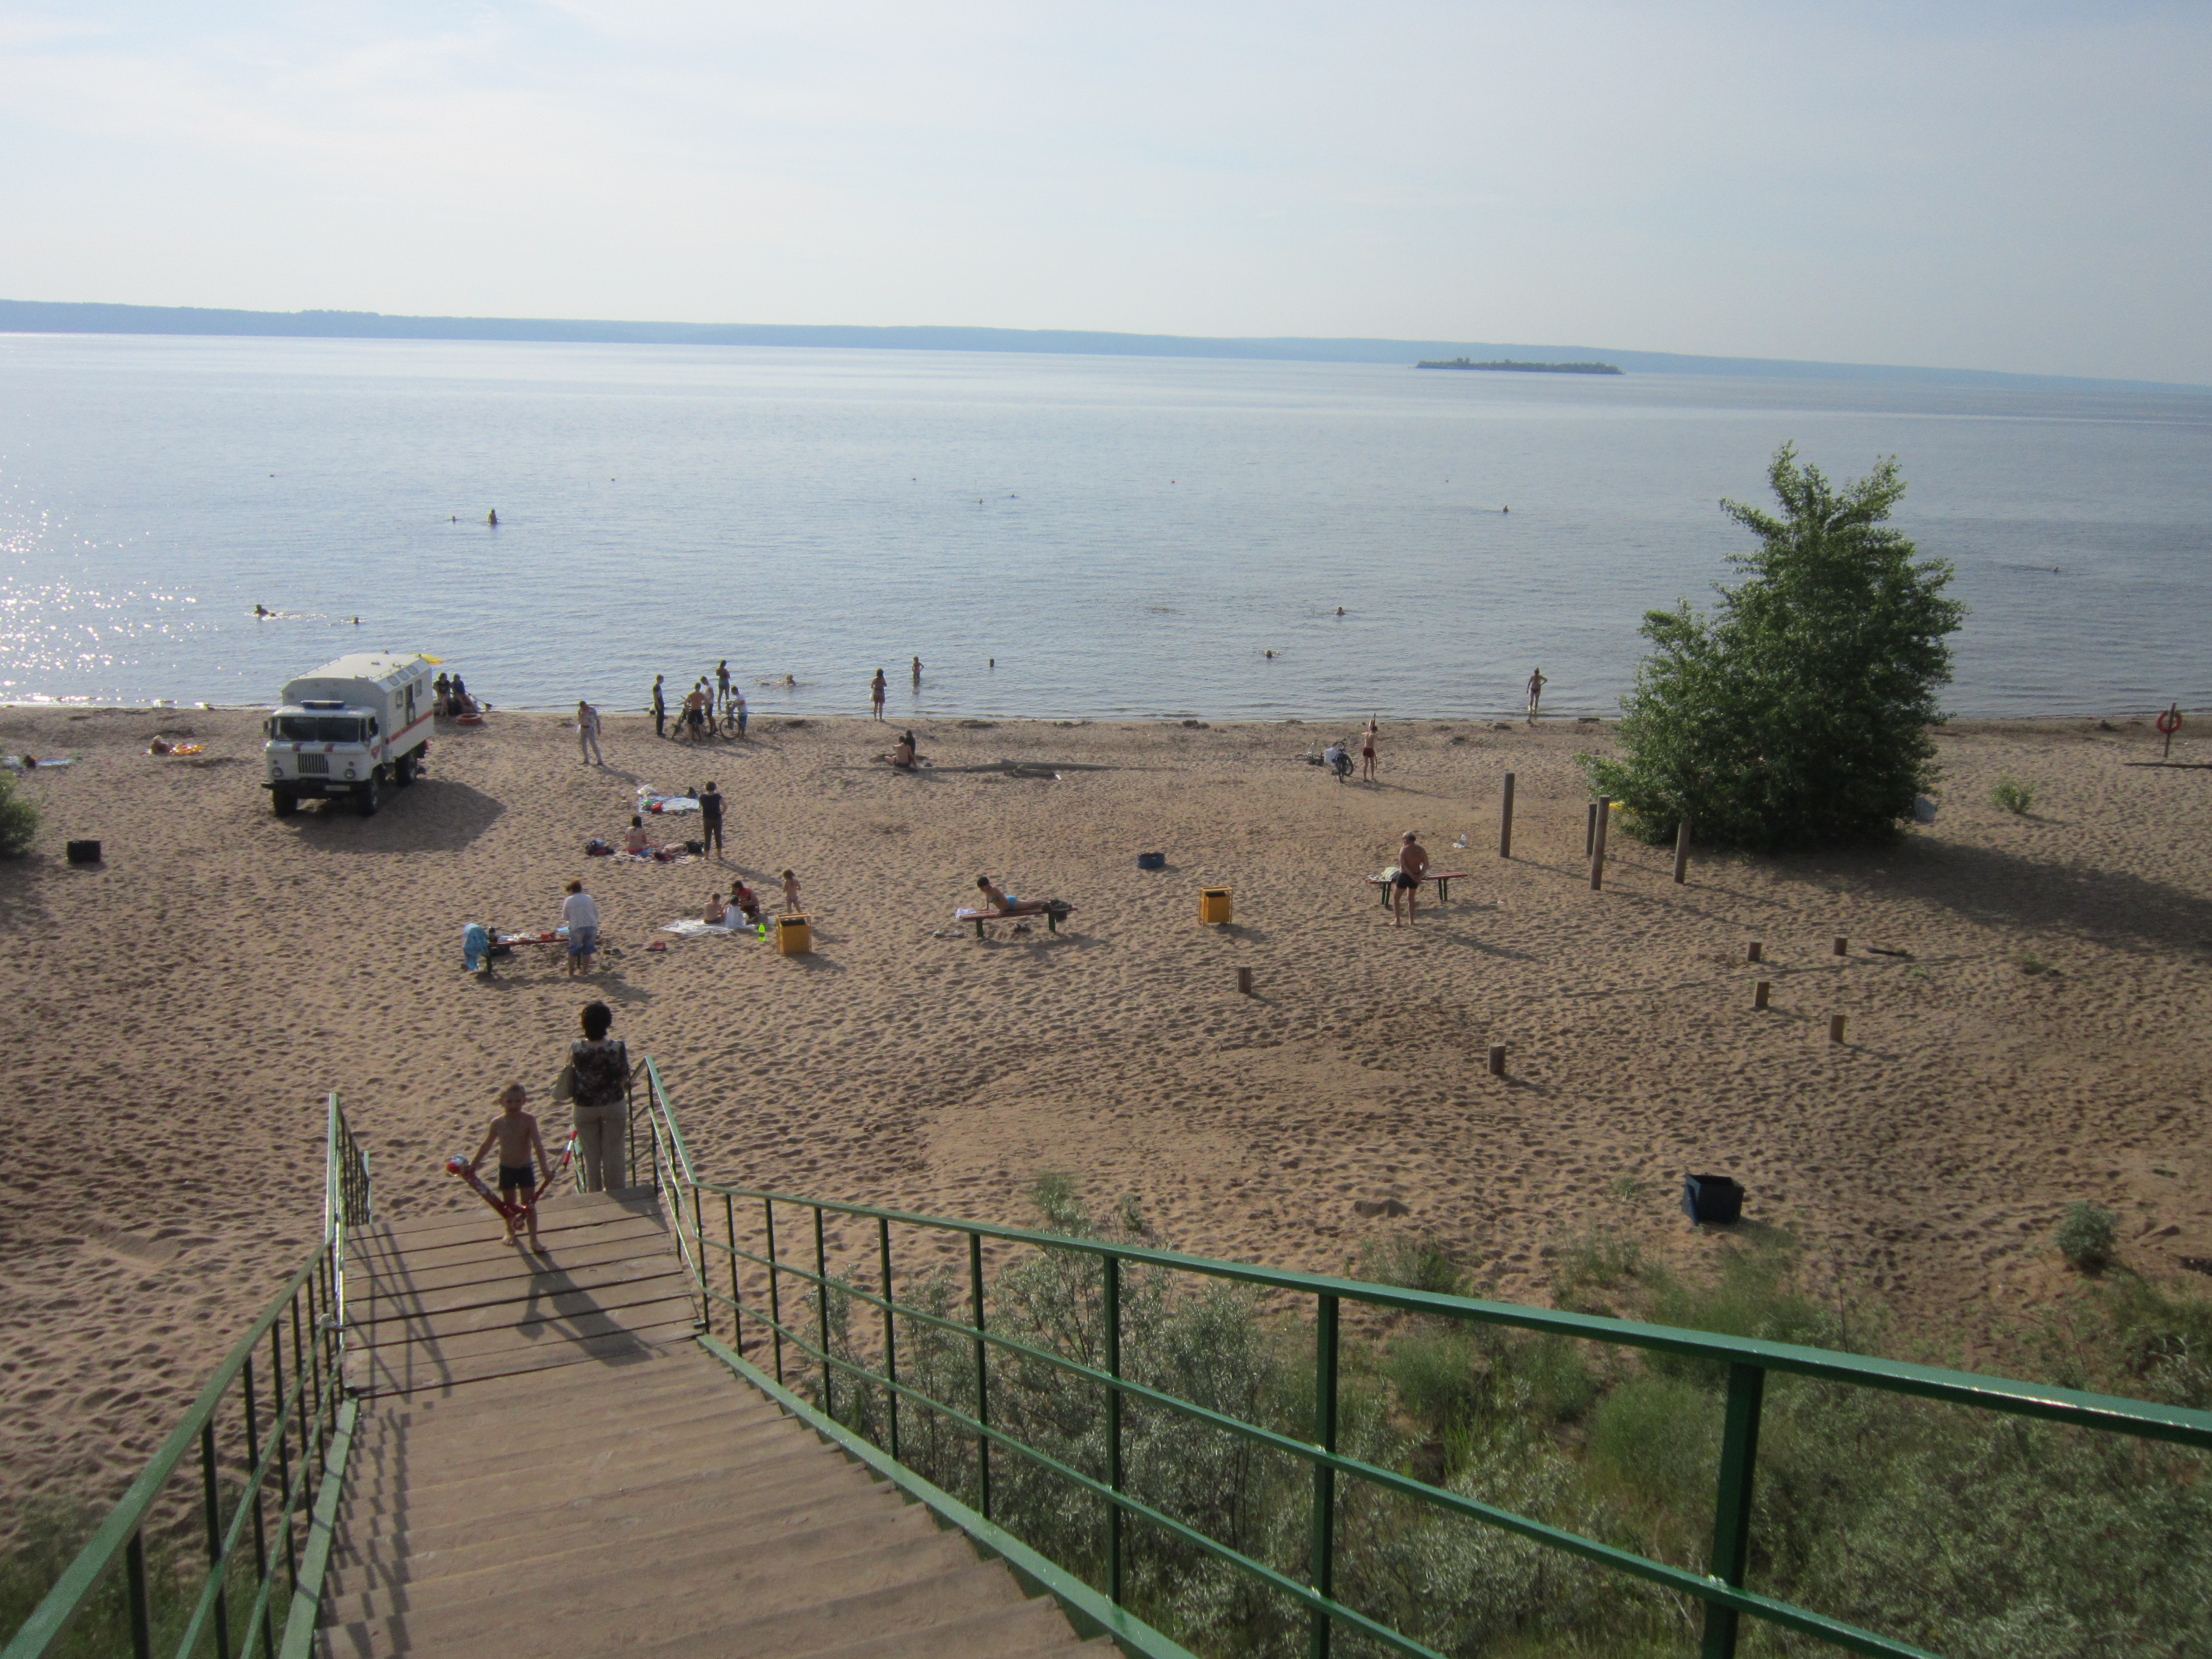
2169, 722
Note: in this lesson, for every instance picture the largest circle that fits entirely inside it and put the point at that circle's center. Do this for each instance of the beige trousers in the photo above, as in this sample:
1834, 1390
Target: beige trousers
603, 1144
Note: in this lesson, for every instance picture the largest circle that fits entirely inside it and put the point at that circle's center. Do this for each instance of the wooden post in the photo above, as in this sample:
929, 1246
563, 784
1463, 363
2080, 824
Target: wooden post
1505, 821
1244, 981
1759, 996
1590, 831
1835, 1028
1603, 808
1842, 945
1751, 951
1682, 850
1497, 1060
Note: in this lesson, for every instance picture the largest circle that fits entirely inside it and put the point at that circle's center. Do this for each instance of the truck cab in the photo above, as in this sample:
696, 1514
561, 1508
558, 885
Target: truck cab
350, 728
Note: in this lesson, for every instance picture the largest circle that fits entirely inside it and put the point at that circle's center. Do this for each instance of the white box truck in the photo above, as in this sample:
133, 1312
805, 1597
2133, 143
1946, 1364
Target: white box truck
349, 728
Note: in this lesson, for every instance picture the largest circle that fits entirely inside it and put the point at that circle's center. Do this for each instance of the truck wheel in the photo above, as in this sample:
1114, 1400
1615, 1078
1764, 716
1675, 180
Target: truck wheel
368, 797
284, 803
402, 771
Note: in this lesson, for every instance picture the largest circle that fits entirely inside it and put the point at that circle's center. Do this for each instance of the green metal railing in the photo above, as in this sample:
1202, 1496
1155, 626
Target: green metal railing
699, 1210
234, 1478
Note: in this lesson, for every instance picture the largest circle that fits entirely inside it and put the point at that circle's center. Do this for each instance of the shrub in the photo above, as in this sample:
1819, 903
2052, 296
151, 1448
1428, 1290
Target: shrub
1412, 1263
2086, 1236
18, 820
1797, 712
2013, 795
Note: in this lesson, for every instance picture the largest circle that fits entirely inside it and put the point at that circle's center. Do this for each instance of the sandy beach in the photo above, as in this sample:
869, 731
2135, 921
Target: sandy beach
2025, 995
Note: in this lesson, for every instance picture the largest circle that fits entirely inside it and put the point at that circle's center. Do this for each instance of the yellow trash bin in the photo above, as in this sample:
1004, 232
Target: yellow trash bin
1214, 904
793, 937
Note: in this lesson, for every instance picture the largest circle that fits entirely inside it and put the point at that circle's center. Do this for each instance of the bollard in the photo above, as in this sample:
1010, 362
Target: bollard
1842, 945
1682, 850
1835, 1028
1751, 951
1505, 821
1759, 996
1603, 809
1497, 1060
1589, 831
1244, 981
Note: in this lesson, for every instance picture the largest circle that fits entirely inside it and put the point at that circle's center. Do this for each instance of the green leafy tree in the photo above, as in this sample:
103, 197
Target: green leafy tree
1796, 714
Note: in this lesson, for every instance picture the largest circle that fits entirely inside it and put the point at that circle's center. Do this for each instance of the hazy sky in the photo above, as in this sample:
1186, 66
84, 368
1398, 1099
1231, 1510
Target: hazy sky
2017, 187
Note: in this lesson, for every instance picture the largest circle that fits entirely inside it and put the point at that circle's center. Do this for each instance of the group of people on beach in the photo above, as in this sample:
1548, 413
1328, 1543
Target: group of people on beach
596, 1082
711, 699
450, 698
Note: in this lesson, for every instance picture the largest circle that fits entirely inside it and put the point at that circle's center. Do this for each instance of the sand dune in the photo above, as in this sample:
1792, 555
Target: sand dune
177, 1014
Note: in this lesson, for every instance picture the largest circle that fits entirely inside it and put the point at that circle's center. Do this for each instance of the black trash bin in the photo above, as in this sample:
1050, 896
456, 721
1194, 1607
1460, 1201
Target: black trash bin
1712, 1198
84, 852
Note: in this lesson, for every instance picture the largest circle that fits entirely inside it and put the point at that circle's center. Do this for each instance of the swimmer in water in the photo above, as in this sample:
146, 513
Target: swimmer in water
1339, 610
258, 612
1267, 653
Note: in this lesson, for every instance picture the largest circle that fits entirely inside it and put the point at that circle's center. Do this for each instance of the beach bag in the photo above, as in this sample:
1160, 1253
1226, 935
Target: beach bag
595, 848
564, 1085
694, 847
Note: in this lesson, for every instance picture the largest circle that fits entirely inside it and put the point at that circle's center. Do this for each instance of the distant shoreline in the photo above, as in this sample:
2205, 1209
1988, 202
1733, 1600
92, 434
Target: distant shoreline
86, 317
1507, 365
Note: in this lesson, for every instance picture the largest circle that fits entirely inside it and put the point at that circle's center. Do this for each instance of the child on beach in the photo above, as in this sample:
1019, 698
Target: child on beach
746, 903
790, 893
515, 1133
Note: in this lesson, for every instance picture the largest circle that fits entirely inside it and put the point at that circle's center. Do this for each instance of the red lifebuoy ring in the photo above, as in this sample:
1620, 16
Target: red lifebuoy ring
2169, 722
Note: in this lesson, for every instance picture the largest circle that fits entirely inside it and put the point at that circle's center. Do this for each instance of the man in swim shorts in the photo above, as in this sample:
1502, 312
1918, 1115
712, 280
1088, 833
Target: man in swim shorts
515, 1133
1412, 865
1536, 683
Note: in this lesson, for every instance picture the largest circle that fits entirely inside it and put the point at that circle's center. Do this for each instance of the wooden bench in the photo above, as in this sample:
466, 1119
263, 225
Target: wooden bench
1053, 910
1444, 879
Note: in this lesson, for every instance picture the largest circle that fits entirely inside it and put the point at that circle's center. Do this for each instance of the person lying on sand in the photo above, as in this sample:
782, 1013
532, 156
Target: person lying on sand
1003, 903
515, 1133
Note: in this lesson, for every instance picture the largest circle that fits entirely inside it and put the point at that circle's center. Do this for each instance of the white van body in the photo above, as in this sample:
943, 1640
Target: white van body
349, 728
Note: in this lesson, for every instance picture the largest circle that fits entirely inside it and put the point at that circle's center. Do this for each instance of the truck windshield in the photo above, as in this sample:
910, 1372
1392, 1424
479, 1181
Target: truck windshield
316, 728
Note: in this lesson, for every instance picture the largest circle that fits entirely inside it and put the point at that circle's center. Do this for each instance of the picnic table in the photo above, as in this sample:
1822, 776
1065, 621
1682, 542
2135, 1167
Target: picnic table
1444, 879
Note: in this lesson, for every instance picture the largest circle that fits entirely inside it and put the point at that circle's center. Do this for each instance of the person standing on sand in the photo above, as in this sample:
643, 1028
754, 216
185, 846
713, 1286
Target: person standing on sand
1412, 865
515, 1132
790, 893
441, 689
877, 688
600, 1071
587, 735
710, 819
659, 708
1536, 683
1367, 750
579, 915
738, 698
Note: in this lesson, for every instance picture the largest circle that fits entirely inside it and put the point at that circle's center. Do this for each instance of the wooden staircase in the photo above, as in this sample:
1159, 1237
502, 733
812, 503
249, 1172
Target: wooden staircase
549, 1465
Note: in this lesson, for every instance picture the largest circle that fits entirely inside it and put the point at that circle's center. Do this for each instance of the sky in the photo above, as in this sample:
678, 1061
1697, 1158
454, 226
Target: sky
2018, 187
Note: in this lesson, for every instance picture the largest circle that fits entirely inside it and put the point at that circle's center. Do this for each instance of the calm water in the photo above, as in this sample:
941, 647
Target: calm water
1125, 536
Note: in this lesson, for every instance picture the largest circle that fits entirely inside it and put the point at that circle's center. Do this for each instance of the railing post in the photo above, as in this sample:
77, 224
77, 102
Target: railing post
822, 1318
141, 1618
1322, 1565
1112, 1268
982, 1377
260, 1536
775, 1300
890, 1331
1732, 1505
283, 1453
699, 1243
730, 1225
212, 1499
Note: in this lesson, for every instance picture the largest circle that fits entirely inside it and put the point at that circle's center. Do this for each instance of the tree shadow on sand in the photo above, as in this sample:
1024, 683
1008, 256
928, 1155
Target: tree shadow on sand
1985, 885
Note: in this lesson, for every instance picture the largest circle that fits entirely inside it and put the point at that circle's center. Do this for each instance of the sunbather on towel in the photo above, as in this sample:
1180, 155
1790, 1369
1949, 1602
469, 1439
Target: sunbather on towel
634, 840
746, 903
717, 914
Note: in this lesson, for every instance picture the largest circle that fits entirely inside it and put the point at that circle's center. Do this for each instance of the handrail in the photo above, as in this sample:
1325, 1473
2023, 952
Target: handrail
282, 1433
1746, 1361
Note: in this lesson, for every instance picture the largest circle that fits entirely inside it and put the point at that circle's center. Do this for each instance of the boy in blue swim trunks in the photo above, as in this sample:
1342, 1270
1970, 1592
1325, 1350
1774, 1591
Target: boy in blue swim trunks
515, 1133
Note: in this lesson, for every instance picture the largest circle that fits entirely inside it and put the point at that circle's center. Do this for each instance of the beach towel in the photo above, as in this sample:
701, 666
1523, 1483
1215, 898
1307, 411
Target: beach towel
651, 800
691, 928
17, 762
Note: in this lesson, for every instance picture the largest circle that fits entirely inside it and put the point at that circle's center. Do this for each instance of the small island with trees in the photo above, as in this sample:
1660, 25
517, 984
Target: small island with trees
1509, 366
